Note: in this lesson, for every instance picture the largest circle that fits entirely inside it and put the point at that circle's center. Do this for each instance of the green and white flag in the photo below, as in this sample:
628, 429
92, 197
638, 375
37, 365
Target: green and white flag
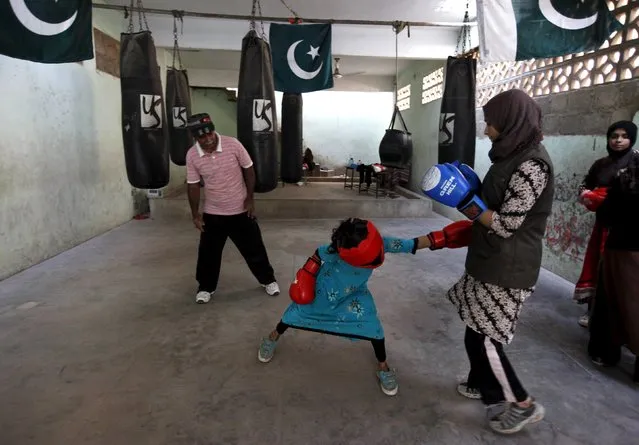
301, 57
46, 31
512, 30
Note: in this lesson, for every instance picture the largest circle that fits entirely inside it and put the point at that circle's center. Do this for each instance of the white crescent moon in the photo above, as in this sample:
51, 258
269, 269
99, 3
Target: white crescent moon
37, 26
292, 63
561, 21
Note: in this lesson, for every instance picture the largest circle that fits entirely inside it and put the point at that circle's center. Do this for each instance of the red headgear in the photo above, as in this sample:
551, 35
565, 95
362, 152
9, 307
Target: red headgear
369, 253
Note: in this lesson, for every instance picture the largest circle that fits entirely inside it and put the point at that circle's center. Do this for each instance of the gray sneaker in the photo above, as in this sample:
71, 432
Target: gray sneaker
388, 382
266, 351
466, 391
514, 418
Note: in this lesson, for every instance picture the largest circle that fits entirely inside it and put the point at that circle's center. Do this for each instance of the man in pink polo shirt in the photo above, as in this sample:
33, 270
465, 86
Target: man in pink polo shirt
227, 170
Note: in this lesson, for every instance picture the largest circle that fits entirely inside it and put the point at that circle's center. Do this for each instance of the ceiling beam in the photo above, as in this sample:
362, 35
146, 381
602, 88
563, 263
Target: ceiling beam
249, 18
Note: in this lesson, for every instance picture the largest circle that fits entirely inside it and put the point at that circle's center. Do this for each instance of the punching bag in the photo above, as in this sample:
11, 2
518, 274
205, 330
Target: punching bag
396, 148
178, 105
292, 138
144, 134
256, 113
457, 118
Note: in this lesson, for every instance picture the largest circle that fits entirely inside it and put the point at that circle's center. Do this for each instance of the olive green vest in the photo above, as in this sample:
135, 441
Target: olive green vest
512, 262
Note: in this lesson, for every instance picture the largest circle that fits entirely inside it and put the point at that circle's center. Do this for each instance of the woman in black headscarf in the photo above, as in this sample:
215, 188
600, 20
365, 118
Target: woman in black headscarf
598, 179
615, 315
504, 257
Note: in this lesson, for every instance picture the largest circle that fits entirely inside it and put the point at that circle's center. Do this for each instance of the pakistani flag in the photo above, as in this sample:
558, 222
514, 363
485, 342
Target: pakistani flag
536, 29
301, 57
46, 31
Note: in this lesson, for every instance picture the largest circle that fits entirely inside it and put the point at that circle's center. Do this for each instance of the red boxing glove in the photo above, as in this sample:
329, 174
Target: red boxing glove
592, 199
302, 290
453, 236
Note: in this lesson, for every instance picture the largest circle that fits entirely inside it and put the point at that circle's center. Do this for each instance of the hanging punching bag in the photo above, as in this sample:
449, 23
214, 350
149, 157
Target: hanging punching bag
178, 105
457, 118
256, 113
144, 134
292, 138
396, 147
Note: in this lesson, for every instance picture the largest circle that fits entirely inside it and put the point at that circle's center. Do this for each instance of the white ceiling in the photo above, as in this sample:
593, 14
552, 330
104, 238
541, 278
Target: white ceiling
363, 41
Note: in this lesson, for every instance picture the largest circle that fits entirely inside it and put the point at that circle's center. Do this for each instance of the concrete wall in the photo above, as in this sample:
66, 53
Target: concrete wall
62, 174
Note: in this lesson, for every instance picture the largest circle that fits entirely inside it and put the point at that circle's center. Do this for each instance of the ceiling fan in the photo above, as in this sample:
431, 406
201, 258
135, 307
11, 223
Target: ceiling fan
338, 75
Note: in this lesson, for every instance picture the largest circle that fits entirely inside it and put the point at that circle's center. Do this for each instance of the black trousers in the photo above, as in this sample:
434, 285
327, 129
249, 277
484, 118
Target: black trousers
245, 234
490, 370
379, 345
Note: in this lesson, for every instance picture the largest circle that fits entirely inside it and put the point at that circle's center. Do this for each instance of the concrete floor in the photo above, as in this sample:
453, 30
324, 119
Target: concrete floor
103, 344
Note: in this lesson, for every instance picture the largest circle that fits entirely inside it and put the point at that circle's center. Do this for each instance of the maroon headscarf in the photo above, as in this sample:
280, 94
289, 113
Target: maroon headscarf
517, 117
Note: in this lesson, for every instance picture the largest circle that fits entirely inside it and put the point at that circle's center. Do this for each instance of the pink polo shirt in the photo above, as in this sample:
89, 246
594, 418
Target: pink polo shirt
224, 186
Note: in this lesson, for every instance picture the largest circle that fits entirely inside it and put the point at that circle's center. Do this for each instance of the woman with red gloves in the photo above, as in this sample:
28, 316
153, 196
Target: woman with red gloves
621, 136
330, 293
615, 314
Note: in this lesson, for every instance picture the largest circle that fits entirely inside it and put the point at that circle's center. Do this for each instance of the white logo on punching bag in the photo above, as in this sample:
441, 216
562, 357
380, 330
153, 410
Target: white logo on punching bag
447, 128
179, 117
262, 115
150, 111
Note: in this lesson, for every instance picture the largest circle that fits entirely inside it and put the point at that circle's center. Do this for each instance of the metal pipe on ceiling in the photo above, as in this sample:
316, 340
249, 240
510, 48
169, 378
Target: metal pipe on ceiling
210, 15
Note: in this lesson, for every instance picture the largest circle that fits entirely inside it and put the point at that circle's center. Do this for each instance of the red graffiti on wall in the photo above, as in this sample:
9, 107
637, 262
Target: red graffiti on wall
568, 232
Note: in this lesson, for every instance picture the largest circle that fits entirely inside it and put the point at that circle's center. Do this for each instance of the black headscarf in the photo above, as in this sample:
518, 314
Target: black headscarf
517, 117
630, 128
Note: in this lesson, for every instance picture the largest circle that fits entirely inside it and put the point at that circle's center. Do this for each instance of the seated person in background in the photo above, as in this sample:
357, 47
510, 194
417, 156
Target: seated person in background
308, 160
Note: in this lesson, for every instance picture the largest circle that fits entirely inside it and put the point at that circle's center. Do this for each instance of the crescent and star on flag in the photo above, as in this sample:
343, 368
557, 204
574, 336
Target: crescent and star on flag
37, 26
295, 68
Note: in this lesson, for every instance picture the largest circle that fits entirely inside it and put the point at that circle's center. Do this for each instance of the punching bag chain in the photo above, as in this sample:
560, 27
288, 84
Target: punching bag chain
257, 9
177, 15
464, 36
295, 14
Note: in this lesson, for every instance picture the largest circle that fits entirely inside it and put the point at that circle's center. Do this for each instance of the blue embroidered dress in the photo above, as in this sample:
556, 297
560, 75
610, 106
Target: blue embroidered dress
343, 304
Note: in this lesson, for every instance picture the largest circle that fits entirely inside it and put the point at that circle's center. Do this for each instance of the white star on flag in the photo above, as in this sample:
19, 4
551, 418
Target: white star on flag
314, 52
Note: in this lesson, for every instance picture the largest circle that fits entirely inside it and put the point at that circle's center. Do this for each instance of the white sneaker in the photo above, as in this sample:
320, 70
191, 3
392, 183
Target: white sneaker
272, 289
203, 297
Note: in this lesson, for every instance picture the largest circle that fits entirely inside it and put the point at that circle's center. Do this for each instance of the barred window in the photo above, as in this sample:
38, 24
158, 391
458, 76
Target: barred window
433, 86
403, 98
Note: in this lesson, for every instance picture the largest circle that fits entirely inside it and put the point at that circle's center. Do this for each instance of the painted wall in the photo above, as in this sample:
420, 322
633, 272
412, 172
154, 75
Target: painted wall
62, 177
574, 125
337, 124
216, 103
422, 120
343, 124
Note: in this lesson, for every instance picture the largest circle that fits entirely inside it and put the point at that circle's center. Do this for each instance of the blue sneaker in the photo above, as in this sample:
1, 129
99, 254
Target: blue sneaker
266, 351
388, 382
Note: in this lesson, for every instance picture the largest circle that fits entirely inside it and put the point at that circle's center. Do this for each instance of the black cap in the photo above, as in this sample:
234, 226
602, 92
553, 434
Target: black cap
200, 124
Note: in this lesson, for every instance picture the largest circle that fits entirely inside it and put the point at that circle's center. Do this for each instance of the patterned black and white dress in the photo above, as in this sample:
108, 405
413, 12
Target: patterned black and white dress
486, 308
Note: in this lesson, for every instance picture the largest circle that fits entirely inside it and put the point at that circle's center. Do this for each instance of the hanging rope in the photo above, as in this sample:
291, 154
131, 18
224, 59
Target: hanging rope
397, 28
177, 16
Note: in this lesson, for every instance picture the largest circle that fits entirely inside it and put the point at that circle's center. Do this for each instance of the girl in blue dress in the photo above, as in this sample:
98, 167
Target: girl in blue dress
338, 301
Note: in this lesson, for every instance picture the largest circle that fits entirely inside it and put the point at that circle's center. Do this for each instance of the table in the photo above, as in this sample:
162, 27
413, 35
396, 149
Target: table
352, 170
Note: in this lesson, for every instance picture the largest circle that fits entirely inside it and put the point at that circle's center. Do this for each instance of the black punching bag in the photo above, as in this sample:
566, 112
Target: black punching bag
146, 151
256, 113
178, 105
396, 148
457, 118
292, 138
